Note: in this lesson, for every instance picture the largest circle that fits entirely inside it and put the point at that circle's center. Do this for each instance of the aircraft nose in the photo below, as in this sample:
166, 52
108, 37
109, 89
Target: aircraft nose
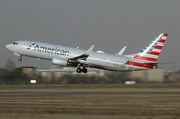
8, 46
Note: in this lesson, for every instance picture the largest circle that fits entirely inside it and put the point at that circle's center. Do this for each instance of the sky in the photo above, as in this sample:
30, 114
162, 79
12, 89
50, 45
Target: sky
108, 24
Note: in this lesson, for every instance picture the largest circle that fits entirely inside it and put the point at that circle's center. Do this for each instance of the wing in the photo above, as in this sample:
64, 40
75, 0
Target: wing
82, 57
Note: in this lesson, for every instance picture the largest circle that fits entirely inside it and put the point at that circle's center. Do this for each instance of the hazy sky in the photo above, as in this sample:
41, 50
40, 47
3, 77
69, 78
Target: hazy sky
107, 24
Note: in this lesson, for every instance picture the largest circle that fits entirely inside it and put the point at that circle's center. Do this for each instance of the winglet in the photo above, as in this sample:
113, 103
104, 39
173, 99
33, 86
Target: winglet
89, 50
122, 50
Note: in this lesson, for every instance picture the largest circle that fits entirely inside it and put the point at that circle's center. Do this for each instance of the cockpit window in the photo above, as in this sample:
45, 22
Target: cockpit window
15, 43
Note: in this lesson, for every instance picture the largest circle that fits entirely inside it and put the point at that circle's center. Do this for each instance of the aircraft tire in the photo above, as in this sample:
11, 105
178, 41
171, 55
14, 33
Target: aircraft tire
78, 70
20, 59
84, 70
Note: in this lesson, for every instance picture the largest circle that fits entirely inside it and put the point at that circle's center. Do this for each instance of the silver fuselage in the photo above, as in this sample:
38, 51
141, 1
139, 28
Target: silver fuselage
96, 59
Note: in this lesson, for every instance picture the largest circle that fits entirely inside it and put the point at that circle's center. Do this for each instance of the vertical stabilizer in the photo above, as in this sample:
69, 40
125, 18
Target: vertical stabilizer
151, 52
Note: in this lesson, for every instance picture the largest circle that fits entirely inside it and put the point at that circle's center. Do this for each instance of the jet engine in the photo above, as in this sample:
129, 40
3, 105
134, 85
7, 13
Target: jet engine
60, 61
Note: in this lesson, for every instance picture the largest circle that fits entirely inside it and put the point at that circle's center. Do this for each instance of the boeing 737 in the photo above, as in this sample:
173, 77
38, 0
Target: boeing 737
83, 59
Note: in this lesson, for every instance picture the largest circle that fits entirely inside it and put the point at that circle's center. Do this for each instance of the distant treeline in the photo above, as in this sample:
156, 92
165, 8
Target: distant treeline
16, 76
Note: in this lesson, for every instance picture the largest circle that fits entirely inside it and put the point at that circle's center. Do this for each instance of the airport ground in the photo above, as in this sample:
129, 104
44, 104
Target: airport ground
101, 101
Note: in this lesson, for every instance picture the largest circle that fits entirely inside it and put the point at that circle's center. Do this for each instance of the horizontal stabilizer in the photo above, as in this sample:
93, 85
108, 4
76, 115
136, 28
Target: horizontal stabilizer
164, 63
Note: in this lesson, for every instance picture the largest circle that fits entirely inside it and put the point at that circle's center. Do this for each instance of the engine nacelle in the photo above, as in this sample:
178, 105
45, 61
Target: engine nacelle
60, 61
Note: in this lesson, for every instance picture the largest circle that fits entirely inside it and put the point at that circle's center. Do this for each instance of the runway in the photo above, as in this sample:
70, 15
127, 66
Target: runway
89, 104
90, 101
86, 94
46, 98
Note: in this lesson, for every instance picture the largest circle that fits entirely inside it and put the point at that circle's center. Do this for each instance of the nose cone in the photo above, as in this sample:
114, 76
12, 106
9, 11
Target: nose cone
8, 46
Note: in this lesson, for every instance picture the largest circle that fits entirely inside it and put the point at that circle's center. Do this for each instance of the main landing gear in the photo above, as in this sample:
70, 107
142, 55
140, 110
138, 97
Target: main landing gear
79, 70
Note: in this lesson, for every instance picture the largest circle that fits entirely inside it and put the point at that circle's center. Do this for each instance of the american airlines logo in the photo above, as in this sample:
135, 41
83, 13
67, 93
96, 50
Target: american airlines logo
50, 50
30, 46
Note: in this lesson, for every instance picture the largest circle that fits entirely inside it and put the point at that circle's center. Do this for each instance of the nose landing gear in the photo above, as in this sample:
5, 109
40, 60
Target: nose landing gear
20, 59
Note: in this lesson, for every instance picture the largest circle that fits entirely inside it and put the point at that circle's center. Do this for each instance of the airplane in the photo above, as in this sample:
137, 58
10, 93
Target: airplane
83, 59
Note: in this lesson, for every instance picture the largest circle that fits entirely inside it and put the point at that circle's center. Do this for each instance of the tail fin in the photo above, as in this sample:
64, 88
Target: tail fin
151, 52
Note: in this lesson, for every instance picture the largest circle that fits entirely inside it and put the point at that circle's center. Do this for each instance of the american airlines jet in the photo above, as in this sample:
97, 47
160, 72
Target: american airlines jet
83, 59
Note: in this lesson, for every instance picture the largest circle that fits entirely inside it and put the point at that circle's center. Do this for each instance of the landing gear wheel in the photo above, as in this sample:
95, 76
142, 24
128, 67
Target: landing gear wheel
20, 59
78, 70
84, 70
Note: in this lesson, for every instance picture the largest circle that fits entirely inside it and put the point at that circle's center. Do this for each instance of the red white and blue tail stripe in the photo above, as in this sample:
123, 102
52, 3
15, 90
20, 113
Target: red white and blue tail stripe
152, 51
147, 57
